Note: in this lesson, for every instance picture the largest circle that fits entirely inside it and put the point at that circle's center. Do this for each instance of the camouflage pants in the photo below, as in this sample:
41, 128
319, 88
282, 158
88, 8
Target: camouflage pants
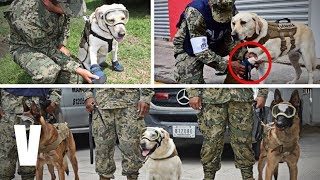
42, 69
125, 124
12, 106
212, 122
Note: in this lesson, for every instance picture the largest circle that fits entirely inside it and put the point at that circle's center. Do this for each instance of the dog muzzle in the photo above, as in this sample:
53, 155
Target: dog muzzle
284, 114
112, 22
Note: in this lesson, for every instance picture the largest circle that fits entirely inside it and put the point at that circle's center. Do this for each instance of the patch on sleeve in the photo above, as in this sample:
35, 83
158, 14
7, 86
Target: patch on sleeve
199, 44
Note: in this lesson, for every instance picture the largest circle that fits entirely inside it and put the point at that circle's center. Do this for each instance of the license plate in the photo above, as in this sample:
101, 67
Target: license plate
184, 131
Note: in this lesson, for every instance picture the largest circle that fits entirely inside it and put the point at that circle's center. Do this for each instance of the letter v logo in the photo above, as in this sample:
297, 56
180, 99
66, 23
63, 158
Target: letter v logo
27, 153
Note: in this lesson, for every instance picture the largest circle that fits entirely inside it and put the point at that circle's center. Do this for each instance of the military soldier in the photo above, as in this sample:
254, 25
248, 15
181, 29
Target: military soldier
122, 112
217, 108
38, 33
204, 38
11, 105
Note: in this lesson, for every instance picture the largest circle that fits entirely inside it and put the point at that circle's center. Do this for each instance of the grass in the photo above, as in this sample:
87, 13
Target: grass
134, 51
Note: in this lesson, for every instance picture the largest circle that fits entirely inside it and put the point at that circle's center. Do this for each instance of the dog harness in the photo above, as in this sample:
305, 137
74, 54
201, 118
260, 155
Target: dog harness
63, 133
279, 30
279, 147
86, 33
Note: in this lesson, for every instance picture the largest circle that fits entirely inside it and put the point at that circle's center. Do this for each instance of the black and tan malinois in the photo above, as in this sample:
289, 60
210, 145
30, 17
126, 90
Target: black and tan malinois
56, 141
280, 142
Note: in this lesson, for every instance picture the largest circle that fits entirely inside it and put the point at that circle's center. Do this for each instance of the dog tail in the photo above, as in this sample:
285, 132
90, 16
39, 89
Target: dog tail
65, 165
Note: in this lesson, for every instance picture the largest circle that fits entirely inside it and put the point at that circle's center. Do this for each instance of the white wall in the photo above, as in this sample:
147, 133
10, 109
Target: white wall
314, 22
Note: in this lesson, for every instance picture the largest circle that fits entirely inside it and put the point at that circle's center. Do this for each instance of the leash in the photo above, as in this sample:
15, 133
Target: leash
261, 120
96, 109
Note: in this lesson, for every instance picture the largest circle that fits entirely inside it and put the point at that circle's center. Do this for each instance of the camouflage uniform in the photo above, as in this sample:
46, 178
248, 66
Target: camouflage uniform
35, 34
12, 106
189, 67
119, 111
219, 107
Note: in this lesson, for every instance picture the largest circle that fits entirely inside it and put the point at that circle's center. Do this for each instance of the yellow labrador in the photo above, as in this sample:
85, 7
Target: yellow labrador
299, 42
163, 162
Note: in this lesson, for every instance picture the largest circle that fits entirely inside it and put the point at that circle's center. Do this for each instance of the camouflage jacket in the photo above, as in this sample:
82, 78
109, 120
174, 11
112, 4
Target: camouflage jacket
32, 25
194, 23
7, 98
223, 95
113, 98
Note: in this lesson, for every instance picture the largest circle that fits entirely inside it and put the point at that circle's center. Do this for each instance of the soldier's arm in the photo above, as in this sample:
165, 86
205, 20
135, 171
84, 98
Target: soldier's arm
66, 32
194, 92
197, 31
55, 95
146, 95
263, 92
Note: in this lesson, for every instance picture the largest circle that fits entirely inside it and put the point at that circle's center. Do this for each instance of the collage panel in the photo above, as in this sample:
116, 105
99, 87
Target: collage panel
236, 41
82, 41
161, 133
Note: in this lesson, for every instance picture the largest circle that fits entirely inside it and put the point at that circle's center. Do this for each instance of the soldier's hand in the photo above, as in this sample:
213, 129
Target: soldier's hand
195, 103
63, 49
143, 108
238, 68
87, 75
261, 101
90, 104
51, 108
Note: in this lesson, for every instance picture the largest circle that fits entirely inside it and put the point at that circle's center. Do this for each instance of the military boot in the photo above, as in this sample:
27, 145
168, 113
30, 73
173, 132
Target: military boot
132, 177
27, 177
247, 173
104, 178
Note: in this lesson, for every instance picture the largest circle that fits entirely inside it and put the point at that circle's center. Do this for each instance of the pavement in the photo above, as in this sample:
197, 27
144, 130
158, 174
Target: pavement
308, 165
281, 71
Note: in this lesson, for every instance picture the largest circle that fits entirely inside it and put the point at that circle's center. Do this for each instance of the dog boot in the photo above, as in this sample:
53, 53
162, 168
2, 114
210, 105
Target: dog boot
247, 173
117, 66
96, 70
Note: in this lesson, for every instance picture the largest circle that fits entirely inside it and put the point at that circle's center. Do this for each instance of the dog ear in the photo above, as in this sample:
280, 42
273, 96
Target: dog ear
35, 110
98, 13
25, 107
258, 22
295, 99
277, 97
165, 134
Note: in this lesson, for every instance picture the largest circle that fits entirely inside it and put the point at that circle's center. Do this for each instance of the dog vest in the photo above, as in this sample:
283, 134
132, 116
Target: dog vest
63, 133
215, 31
86, 33
279, 147
280, 30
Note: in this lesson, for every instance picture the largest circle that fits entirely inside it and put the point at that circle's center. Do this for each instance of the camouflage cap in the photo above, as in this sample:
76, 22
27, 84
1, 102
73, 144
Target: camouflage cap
73, 8
222, 10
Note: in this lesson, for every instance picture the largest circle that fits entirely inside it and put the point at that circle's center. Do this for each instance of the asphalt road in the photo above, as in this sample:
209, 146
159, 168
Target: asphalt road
281, 72
308, 165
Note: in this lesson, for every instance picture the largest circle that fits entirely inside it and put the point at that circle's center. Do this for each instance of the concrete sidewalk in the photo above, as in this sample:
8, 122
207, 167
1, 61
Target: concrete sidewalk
281, 71
308, 165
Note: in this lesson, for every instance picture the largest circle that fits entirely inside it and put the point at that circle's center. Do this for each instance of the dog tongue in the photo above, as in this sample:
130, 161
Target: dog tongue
119, 39
145, 152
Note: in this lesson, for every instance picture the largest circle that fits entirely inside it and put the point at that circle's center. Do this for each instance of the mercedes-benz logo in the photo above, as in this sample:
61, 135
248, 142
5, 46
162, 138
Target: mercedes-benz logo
182, 97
